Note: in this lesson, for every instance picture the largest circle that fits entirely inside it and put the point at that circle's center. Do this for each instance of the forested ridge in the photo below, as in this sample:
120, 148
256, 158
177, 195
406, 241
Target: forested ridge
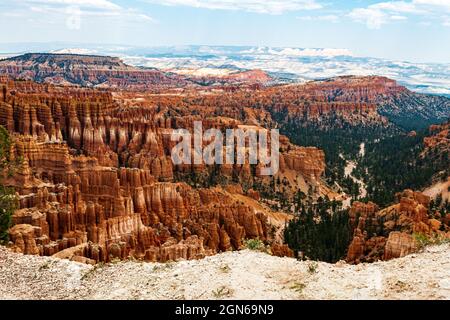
394, 160
319, 232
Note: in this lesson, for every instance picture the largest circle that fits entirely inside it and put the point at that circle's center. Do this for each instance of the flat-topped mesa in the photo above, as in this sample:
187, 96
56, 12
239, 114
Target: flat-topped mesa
55, 58
230, 81
352, 99
86, 71
309, 161
354, 89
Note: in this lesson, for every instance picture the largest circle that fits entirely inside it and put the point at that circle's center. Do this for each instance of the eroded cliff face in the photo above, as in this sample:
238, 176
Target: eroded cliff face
438, 140
389, 233
104, 72
351, 99
348, 99
108, 212
87, 71
96, 180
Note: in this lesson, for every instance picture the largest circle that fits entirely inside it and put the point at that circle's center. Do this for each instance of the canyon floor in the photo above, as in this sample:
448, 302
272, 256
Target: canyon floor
233, 275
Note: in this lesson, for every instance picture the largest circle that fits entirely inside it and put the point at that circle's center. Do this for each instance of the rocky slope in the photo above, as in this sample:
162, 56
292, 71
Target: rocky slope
97, 182
332, 103
111, 73
392, 232
437, 148
438, 140
86, 71
356, 99
437, 151
413, 111
233, 275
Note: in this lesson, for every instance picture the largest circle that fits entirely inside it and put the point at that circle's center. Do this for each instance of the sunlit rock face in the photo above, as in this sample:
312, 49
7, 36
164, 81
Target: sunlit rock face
96, 180
389, 233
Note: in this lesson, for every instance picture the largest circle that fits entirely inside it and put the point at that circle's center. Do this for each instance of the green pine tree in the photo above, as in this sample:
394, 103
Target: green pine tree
8, 201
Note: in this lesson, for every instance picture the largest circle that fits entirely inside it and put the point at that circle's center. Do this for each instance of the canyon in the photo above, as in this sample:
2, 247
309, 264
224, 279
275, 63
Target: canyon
95, 181
397, 230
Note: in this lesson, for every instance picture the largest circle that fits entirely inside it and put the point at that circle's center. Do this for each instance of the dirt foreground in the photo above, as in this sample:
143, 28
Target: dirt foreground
233, 275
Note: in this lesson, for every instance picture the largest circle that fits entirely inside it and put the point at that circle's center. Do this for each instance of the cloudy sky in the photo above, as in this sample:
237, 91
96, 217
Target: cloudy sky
413, 30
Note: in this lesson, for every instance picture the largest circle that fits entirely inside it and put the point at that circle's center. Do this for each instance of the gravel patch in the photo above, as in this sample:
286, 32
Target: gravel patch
232, 275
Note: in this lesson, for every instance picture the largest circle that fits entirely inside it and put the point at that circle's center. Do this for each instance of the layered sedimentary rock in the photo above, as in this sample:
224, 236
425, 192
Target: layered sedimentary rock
87, 71
439, 138
96, 175
388, 233
310, 161
106, 72
68, 201
281, 250
231, 81
352, 99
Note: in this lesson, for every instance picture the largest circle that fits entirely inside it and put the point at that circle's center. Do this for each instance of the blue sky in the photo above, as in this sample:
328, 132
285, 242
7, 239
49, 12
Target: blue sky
413, 30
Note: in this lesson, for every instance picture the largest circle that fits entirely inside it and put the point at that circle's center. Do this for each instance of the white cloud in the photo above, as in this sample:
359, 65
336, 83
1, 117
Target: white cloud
446, 22
373, 18
443, 4
378, 14
98, 4
329, 18
258, 6
398, 17
73, 11
12, 14
397, 6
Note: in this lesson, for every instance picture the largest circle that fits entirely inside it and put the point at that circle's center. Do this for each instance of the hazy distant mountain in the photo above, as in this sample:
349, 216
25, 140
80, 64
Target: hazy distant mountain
85, 70
286, 64
74, 67
296, 64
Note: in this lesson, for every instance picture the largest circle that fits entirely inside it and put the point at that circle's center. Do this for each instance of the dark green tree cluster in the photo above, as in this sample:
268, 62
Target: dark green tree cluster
321, 232
394, 160
8, 201
441, 206
398, 163
339, 140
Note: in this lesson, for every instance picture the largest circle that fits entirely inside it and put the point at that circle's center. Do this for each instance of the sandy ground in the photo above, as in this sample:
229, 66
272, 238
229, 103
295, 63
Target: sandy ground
234, 275
441, 187
348, 170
